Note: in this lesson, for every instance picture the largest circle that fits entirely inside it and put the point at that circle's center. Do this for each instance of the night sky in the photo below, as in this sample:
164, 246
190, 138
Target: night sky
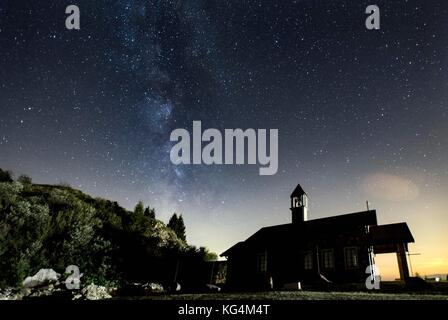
362, 114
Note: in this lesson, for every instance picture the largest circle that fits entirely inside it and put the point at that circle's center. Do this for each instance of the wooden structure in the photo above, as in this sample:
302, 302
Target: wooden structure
336, 249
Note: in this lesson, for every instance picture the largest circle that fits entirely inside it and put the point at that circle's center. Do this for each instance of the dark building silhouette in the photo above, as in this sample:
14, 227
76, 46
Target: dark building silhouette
336, 249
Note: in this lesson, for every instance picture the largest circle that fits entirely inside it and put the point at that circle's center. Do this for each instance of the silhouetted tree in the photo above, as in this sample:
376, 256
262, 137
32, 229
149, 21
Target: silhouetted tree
180, 232
139, 209
5, 176
150, 213
177, 224
24, 179
207, 254
173, 222
138, 222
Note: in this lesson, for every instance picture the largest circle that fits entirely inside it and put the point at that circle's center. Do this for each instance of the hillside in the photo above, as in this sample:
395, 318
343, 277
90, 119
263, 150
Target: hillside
54, 226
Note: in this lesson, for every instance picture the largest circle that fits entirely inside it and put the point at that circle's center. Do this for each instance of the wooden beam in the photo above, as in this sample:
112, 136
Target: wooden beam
402, 261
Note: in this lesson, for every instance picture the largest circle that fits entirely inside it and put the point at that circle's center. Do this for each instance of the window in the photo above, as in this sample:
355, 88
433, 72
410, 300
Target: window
304, 200
301, 201
296, 202
262, 262
308, 261
328, 258
351, 257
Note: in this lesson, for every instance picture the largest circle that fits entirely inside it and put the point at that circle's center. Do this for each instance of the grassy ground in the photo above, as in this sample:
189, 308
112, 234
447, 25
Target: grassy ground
300, 295
390, 290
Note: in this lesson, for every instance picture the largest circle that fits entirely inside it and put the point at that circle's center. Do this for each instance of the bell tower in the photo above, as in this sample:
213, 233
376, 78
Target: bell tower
299, 205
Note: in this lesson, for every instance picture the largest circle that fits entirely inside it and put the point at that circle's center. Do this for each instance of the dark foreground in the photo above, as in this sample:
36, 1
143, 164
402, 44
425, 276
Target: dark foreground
390, 290
301, 295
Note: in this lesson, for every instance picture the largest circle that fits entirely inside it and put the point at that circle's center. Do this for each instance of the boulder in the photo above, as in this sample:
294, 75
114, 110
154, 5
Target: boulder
43, 277
93, 292
10, 294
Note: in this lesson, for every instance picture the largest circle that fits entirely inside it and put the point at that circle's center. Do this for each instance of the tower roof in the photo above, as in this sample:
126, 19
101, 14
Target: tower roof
298, 191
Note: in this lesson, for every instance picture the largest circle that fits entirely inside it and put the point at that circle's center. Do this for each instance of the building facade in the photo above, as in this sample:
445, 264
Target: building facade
336, 249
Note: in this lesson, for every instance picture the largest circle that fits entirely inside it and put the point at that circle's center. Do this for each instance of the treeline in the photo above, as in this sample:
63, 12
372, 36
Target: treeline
45, 226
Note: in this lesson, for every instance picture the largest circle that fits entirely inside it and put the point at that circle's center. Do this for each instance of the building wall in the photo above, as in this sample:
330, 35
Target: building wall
286, 264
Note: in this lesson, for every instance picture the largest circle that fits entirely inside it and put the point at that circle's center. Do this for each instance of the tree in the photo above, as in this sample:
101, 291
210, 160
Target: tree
177, 224
180, 232
150, 213
24, 179
5, 176
9, 193
138, 222
139, 209
25, 226
172, 224
53, 226
208, 255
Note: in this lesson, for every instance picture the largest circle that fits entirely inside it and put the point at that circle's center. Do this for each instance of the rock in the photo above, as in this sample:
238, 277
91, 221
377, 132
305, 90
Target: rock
113, 291
150, 288
10, 294
212, 288
77, 296
41, 292
42, 278
46, 292
52, 291
93, 292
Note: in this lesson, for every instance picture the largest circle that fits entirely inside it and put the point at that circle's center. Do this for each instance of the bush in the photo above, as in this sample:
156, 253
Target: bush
5, 176
57, 226
24, 179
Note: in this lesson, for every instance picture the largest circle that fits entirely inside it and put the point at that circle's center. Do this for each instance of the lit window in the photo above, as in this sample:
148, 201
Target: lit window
308, 261
351, 257
328, 259
262, 262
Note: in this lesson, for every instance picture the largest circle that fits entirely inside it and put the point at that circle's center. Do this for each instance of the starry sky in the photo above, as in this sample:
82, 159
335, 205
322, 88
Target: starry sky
362, 114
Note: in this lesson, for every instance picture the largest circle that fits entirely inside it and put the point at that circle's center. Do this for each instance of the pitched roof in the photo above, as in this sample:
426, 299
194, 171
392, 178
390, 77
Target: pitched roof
390, 233
309, 230
298, 191
233, 248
